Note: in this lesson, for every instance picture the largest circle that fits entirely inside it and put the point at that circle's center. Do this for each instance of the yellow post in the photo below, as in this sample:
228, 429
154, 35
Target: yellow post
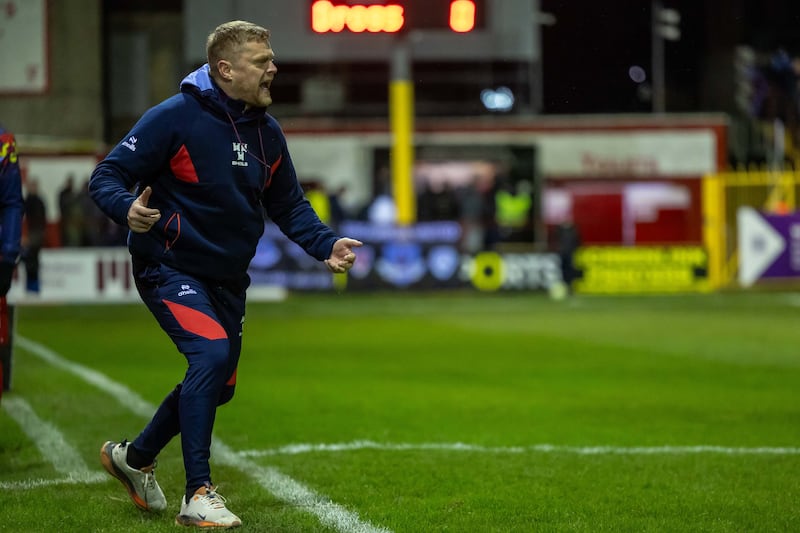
714, 228
401, 120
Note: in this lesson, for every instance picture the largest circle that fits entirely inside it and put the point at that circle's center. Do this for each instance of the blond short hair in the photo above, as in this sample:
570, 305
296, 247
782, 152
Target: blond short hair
227, 38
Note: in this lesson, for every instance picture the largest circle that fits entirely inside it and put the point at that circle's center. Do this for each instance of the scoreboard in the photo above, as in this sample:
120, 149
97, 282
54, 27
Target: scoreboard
396, 16
316, 32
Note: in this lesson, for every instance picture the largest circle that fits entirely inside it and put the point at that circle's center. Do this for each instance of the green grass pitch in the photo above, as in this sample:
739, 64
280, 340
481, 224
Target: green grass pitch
431, 412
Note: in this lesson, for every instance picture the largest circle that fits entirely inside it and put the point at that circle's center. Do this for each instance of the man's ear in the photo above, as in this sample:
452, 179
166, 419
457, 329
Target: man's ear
224, 69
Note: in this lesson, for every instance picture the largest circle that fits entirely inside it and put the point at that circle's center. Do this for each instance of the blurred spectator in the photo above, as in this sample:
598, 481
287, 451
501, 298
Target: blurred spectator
568, 241
96, 228
91, 217
471, 215
513, 205
382, 210
318, 198
443, 203
36, 224
782, 80
65, 198
424, 201
72, 214
338, 212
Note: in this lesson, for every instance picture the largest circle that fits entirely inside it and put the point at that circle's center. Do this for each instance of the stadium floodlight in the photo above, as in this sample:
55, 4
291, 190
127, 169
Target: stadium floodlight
665, 26
499, 100
669, 24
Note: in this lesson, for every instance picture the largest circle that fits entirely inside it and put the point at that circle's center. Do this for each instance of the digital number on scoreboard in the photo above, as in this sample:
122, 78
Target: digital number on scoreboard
395, 16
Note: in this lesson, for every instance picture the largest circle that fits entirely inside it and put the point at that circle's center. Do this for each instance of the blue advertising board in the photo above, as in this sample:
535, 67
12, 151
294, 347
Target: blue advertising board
425, 255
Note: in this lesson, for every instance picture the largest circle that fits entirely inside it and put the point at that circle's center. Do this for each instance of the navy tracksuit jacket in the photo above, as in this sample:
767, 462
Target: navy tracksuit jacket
213, 169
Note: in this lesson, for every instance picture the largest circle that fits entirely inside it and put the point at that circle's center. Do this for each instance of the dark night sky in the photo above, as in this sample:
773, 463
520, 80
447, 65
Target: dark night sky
588, 52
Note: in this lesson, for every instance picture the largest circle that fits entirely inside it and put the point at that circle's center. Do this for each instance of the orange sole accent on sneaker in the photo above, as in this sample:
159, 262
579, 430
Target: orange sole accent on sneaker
108, 464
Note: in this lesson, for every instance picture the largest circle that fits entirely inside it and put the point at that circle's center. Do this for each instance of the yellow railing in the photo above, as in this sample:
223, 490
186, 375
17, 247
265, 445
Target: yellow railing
723, 195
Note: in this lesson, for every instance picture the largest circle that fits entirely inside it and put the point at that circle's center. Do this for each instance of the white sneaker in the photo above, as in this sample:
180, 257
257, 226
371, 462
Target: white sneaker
141, 484
206, 509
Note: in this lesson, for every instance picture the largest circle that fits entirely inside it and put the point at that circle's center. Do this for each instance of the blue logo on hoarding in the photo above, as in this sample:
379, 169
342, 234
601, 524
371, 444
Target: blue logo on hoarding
443, 261
401, 263
365, 259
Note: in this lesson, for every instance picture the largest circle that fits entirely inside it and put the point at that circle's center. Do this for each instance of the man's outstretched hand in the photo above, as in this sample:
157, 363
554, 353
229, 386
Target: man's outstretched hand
342, 256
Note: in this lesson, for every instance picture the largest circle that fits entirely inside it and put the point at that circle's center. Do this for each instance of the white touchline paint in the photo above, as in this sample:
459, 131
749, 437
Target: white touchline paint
51, 444
294, 449
285, 488
94, 477
280, 485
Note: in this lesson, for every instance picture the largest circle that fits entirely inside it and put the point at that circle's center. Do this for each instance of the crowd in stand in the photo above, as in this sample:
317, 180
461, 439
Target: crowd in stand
767, 133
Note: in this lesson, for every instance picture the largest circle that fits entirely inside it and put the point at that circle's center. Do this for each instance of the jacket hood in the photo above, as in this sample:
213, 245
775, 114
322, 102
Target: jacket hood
202, 86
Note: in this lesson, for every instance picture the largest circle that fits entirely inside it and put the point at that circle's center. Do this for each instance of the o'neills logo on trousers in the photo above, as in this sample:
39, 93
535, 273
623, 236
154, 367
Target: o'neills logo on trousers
239, 149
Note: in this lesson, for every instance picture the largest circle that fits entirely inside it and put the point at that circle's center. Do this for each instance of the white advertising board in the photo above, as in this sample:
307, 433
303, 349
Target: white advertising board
93, 275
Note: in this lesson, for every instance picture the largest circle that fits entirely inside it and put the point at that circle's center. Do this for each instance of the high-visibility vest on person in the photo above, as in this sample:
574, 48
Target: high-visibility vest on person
512, 210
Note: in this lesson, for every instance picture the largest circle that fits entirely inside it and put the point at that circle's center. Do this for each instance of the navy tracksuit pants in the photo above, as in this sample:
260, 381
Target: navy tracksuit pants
204, 319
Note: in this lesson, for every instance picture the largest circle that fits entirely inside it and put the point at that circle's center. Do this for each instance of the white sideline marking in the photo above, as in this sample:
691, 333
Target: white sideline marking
280, 485
285, 488
93, 477
294, 449
51, 444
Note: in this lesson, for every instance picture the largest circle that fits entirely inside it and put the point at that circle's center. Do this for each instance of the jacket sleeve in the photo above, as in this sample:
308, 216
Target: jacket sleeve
11, 203
290, 210
138, 159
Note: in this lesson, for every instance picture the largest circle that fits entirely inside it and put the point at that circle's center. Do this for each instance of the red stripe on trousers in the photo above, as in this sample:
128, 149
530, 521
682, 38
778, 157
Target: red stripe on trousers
196, 322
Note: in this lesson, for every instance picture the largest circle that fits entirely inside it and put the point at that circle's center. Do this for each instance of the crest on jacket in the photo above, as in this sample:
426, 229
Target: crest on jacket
239, 149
